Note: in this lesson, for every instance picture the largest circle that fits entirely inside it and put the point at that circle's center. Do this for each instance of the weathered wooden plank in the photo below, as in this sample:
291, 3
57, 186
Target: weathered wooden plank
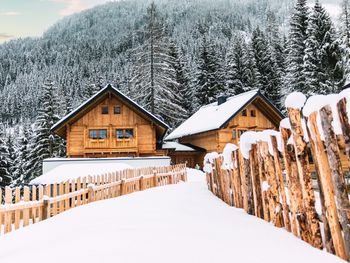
330, 223
280, 183
337, 175
305, 177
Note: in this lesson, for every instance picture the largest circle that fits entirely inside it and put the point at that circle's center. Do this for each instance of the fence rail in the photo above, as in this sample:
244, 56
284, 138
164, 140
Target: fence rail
277, 185
32, 204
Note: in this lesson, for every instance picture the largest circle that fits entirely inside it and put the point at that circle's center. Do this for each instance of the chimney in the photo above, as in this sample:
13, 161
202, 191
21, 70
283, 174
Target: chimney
222, 99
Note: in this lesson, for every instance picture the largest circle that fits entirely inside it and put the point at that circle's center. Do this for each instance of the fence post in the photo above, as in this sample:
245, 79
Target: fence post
345, 126
305, 177
254, 172
26, 210
90, 193
280, 183
142, 184
333, 236
340, 188
46, 207
8, 215
155, 179
123, 187
17, 212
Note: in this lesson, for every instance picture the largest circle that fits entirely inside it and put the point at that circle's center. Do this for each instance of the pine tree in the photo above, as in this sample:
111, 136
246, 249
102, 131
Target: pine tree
45, 144
155, 85
22, 165
276, 43
240, 67
5, 176
208, 85
323, 66
267, 77
295, 79
182, 95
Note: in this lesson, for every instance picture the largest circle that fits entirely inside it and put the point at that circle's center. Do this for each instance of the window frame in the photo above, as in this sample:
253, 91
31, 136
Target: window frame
244, 113
124, 134
103, 108
117, 107
253, 113
97, 133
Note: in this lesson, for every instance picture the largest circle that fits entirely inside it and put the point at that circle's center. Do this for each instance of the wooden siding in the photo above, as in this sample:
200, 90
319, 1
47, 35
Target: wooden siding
80, 145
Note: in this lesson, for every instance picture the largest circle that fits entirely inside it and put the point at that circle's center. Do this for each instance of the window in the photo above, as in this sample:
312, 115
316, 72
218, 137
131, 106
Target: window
103, 134
244, 112
129, 133
104, 109
124, 133
119, 134
117, 110
98, 134
253, 113
93, 134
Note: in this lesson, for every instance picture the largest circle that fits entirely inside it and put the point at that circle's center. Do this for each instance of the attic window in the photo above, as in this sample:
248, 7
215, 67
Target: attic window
104, 110
244, 112
253, 113
117, 110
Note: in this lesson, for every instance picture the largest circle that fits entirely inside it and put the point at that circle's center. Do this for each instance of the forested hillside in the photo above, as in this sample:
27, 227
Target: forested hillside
200, 49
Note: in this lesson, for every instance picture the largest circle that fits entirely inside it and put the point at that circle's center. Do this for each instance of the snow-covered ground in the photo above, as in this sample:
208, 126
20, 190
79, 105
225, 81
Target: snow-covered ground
175, 223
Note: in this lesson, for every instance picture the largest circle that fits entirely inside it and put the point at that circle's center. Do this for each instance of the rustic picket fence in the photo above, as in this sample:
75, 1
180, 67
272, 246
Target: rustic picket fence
278, 187
32, 204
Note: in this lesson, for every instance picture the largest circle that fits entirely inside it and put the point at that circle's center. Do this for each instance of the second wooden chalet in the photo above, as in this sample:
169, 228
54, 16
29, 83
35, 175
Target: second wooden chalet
110, 124
222, 122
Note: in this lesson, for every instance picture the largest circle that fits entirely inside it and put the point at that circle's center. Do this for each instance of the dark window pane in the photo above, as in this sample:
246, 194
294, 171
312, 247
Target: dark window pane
103, 134
244, 113
104, 110
129, 133
253, 113
117, 110
93, 134
119, 134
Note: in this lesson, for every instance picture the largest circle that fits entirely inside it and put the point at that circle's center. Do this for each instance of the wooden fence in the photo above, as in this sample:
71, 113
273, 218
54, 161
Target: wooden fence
277, 186
33, 204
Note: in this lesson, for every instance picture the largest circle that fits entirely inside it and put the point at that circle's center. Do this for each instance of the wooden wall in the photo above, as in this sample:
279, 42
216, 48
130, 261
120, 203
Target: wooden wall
79, 144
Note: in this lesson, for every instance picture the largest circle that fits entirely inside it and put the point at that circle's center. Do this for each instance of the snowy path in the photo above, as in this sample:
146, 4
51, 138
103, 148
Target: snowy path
177, 223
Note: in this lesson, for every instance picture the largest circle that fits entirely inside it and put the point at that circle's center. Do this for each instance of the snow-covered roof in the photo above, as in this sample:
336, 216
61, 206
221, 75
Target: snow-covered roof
178, 147
120, 94
68, 172
213, 116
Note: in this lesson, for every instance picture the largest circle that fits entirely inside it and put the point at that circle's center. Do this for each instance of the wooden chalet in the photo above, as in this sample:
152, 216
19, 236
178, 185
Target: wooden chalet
110, 124
222, 122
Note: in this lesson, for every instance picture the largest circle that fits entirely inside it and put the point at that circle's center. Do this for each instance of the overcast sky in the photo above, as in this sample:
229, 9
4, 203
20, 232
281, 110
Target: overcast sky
21, 18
